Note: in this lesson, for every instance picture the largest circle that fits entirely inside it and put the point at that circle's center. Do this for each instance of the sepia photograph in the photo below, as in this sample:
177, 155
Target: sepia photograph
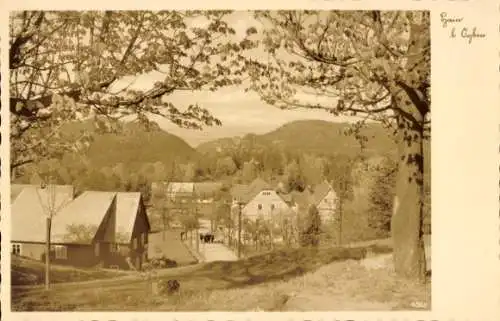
220, 160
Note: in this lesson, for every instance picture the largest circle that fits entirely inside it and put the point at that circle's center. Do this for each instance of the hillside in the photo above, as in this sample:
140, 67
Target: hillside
312, 136
135, 145
292, 279
25, 271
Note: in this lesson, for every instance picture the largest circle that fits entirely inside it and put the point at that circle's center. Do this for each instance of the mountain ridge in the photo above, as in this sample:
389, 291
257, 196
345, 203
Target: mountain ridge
312, 136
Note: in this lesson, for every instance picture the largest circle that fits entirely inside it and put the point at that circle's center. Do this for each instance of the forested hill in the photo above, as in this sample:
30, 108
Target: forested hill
312, 137
134, 146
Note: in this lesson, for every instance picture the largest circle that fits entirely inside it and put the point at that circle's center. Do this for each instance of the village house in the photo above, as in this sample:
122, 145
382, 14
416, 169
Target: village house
260, 200
96, 228
325, 200
199, 192
188, 196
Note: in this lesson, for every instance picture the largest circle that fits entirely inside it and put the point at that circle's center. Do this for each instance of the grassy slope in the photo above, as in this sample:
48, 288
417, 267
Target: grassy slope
275, 281
29, 272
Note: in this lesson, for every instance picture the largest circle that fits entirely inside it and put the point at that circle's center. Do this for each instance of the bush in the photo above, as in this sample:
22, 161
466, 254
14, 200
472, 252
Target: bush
311, 233
162, 263
168, 287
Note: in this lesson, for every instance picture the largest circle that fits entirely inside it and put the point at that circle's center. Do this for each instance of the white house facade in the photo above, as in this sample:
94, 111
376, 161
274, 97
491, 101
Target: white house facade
265, 204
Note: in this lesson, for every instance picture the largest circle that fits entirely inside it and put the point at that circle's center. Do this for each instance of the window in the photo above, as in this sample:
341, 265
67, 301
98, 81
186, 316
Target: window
259, 206
61, 252
113, 248
272, 207
144, 238
96, 249
266, 193
134, 243
16, 249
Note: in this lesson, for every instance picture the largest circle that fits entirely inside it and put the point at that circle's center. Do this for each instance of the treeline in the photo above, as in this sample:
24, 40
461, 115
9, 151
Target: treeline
364, 183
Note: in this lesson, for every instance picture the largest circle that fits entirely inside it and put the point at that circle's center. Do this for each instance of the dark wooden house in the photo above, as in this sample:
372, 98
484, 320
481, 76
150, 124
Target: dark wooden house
96, 228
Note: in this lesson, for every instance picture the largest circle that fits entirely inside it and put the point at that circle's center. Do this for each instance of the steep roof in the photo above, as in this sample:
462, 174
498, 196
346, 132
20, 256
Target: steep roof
30, 208
320, 191
245, 193
127, 207
239, 192
88, 209
257, 186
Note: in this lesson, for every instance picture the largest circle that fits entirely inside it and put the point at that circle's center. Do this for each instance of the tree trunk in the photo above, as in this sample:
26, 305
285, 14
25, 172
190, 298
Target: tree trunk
47, 252
197, 240
164, 226
406, 223
412, 105
340, 221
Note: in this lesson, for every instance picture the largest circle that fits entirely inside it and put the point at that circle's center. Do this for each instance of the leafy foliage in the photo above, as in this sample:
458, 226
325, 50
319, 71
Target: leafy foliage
358, 59
312, 229
80, 233
68, 65
370, 64
382, 196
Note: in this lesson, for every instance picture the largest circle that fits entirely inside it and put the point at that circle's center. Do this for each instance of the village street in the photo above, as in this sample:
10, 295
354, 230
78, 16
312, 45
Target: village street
216, 252
213, 251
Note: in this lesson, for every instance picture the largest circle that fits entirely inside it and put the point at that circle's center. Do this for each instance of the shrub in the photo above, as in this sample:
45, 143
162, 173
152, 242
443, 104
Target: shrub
311, 233
162, 263
168, 287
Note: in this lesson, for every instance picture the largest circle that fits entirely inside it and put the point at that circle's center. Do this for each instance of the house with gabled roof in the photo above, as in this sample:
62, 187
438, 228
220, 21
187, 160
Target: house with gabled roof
180, 190
325, 200
260, 200
106, 228
200, 192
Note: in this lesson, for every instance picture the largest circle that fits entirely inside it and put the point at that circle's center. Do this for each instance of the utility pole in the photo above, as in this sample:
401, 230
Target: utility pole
49, 212
341, 210
47, 251
239, 229
164, 199
271, 231
197, 229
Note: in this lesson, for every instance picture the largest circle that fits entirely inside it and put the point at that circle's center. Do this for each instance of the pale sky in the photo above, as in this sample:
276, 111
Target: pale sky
241, 113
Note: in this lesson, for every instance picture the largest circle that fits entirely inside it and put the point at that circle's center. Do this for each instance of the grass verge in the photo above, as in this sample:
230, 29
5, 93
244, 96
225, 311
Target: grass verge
285, 280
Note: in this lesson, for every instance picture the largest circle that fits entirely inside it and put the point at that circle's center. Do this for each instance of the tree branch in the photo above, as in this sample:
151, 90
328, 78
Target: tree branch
416, 99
